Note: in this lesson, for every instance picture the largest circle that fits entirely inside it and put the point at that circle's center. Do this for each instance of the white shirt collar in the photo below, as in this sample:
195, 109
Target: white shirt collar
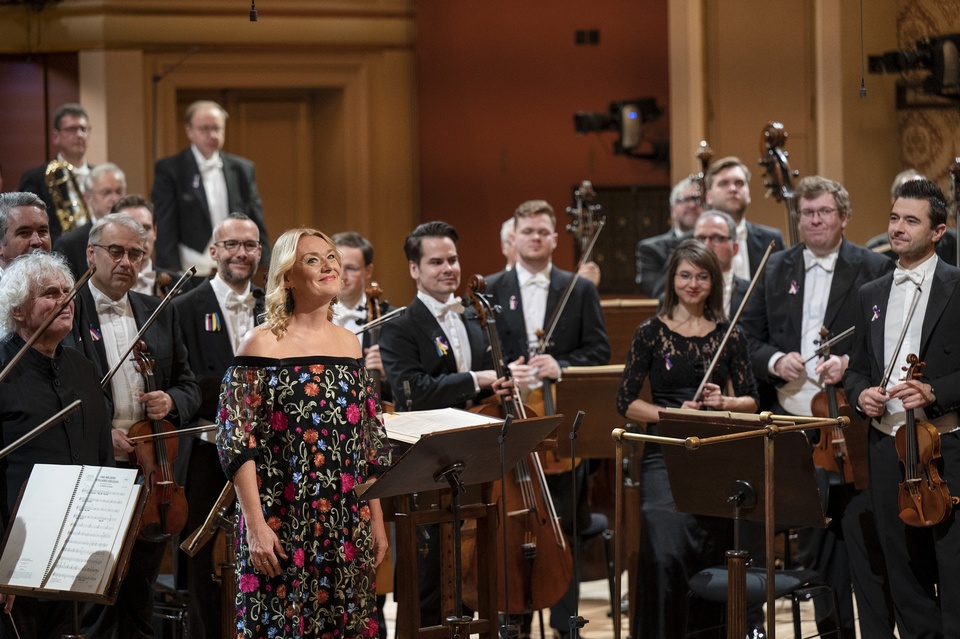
198, 156
524, 274
432, 304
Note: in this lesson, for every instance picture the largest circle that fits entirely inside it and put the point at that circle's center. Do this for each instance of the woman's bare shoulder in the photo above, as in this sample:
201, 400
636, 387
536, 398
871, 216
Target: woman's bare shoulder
258, 342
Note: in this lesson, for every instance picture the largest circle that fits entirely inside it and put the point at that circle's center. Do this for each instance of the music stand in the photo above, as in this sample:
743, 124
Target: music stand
460, 457
737, 429
589, 388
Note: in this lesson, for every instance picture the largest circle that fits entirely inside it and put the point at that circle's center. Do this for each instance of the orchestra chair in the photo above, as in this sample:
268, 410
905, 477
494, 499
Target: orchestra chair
600, 525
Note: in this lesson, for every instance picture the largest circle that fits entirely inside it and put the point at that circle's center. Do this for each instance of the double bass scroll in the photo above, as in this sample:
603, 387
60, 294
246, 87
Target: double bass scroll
778, 175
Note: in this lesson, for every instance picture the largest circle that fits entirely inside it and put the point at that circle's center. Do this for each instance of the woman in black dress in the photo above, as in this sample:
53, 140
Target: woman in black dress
674, 350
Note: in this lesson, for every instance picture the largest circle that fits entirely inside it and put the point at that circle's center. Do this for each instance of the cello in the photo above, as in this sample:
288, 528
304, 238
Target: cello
778, 177
924, 497
831, 452
536, 548
165, 513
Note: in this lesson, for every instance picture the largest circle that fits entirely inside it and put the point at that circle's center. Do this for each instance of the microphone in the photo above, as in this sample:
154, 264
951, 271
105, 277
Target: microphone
576, 424
406, 393
253, 11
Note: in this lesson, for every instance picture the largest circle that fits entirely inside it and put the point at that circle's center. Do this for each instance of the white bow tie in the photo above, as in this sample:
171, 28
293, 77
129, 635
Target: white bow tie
238, 303
455, 306
826, 263
214, 163
358, 314
901, 275
539, 280
107, 305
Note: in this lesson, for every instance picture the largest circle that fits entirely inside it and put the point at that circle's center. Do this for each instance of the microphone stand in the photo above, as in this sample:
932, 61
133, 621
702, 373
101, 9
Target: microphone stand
156, 80
575, 622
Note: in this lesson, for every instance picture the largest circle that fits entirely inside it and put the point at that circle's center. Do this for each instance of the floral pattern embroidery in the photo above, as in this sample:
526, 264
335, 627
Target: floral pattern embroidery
314, 432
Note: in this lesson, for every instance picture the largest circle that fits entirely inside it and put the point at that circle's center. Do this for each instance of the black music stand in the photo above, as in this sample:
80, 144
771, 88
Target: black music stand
736, 487
457, 458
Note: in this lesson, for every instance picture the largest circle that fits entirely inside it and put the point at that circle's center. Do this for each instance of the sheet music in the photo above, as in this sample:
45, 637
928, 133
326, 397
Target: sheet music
411, 426
73, 519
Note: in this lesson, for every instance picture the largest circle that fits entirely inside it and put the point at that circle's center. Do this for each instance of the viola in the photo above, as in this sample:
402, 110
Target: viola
539, 559
924, 497
165, 513
778, 176
831, 452
374, 293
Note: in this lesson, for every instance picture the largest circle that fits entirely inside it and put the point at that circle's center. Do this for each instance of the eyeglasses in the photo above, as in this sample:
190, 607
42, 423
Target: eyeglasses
117, 252
207, 130
692, 199
825, 212
685, 276
712, 239
351, 270
75, 130
232, 246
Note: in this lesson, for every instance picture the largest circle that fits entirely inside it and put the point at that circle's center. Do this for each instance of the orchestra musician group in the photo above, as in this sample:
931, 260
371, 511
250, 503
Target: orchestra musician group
285, 385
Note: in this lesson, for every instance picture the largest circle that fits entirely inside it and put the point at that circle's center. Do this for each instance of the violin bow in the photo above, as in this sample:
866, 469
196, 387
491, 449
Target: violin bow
733, 322
48, 320
150, 320
896, 352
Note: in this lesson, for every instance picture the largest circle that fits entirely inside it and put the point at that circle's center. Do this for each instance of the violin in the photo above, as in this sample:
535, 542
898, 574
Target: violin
374, 312
540, 561
778, 177
924, 498
165, 513
831, 452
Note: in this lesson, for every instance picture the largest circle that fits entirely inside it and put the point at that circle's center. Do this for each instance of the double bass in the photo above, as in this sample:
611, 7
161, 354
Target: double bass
539, 558
924, 497
778, 176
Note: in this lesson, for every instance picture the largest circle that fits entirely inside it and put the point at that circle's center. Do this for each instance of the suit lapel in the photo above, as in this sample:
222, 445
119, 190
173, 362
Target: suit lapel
793, 267
438, 339
220, 339
512, 314
880, 295
844, 275
230, 170
89, 333
195, 180
941, 290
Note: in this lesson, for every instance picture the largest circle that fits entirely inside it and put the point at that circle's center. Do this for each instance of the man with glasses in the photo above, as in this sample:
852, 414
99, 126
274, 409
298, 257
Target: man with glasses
108, 317
803, 289
214, 318
103, 187
150, 280
71, 129
654, 252
718, 231
197, 188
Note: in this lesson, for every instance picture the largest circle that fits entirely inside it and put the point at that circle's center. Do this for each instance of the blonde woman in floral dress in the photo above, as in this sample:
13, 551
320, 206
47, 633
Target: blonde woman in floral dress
298, 429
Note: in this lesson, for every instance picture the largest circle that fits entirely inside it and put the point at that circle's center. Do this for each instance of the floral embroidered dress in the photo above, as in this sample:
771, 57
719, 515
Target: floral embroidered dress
312, 427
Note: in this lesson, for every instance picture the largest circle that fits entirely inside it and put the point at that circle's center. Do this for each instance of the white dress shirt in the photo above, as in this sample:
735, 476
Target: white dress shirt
534, 288
741, 261
451, 321
352, 319
218, 204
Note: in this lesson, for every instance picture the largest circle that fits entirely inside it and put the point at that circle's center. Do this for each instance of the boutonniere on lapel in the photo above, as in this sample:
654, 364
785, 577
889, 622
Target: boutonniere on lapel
95, 334
513, 302
442, 347
213, 323
876, 313
196, 181
794, 287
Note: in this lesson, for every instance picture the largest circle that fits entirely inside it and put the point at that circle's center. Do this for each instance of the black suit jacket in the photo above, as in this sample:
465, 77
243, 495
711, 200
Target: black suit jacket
758, 239
939, 338
210, 353
182, 215
740, 287
409, 349
164, 339
580, 338
773, 318
652, 256
73, 246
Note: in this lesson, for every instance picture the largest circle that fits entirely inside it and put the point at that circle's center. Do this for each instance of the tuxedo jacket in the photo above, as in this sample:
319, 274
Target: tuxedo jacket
182, 215
209, 349
580, 338
652, 256
939, 338
412, 346
773, 317
740, 287
758, 239
164, 339
73, 246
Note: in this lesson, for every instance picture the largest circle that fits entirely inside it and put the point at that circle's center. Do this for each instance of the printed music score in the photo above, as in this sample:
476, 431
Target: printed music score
69, 528
409, 427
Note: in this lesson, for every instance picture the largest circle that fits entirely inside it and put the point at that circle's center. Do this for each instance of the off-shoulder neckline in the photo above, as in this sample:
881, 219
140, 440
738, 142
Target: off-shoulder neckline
305, 360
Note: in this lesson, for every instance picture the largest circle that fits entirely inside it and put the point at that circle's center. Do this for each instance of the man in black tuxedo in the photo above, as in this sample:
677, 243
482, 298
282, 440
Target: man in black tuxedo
810, 286
728, 189
718, 231
24, 227
654, 252
214, 317
438, 351
103, 187
150, 280
197, 188
529, 295
107, 319
924, 562
71, 129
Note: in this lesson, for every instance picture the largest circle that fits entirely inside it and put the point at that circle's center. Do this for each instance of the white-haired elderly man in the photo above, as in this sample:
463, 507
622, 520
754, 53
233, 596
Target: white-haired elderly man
47, 379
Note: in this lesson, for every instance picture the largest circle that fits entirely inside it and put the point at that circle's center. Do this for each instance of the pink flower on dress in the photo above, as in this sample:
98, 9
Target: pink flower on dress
372, 628
249, 583
349, 551
346, 483
353, 413
298, 557
289, 492
371, 405
278, 421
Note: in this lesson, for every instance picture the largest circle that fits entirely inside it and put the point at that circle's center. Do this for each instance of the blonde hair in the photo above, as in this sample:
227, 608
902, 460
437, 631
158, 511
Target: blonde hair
278, 302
